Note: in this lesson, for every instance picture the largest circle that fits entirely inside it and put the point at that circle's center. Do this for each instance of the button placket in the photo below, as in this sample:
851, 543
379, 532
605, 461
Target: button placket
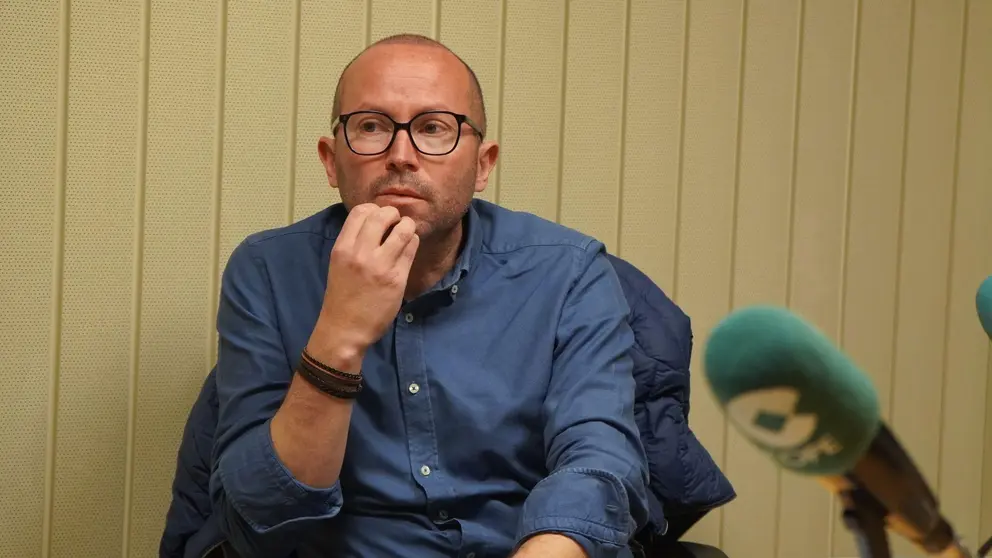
414, 394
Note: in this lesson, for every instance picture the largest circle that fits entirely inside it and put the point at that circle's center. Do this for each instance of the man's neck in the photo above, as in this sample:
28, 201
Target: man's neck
435, 258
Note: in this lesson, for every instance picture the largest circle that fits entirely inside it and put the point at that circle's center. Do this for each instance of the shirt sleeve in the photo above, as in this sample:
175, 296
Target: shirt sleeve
596, 489
263, 510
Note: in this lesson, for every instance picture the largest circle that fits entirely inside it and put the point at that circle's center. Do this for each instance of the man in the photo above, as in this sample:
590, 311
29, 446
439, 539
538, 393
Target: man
416, 373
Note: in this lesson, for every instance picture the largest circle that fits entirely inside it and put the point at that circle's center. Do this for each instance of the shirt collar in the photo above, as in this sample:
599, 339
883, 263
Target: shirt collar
472, 234
445, 291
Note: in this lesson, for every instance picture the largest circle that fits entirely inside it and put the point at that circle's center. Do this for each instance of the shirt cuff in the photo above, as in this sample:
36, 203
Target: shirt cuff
590, 503
264, 492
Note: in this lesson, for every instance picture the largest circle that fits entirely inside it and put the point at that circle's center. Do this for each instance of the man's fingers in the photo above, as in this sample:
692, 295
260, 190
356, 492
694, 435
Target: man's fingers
370, 237
353, 223
405, 261
397, 239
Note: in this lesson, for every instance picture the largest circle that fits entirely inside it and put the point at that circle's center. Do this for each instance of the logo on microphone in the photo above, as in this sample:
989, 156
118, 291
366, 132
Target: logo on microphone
769, 417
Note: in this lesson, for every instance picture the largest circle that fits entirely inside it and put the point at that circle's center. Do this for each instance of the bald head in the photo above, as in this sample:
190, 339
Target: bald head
477, 111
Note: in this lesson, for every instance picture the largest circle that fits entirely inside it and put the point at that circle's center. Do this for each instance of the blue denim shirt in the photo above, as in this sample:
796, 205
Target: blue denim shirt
499, 404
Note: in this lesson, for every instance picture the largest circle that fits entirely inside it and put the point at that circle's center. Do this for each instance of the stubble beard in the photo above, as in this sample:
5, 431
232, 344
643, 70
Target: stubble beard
444, 213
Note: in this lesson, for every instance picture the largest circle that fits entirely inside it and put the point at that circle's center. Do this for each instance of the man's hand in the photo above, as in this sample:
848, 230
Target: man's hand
365, 282
550, 545
366, 279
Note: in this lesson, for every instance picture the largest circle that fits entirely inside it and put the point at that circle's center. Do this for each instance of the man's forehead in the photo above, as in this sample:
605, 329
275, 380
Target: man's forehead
405, 67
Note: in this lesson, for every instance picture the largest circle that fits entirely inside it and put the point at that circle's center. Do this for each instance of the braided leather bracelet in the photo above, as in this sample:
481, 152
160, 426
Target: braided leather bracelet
329, 380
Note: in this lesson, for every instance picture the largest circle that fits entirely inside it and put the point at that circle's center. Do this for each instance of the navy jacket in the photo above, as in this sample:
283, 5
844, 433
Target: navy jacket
685, 483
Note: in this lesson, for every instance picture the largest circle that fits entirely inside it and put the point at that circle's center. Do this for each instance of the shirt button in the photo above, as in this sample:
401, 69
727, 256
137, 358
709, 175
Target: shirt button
470, 555
442, 514
414, 388
408, 317
425, 470
454, 290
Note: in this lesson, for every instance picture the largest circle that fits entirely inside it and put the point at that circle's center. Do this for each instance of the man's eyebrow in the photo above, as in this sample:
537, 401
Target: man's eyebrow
419, 110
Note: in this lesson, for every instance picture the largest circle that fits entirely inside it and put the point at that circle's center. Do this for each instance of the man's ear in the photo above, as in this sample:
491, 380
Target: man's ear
326, 148
488, 153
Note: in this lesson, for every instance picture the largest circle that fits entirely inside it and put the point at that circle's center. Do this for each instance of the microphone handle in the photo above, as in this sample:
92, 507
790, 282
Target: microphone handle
956, 550
886, 481
887, 472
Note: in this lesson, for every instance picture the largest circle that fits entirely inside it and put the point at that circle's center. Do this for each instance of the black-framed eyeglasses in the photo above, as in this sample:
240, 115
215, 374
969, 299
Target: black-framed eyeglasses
435, 132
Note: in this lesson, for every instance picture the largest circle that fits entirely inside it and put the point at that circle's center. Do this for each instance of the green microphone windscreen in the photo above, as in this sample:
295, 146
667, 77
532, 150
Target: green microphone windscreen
984, 303
789, 391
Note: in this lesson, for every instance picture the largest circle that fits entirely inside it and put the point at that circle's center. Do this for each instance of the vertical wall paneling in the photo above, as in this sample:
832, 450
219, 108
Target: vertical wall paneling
257, 120
704, 253
961, 437
330, 36
806, 510
29, 116
649, 205
390, 17
926, 230
218, 184
294, 107
593, 113
58, 274
566, 20
873, 219
762, 241
876, 177
474, 32
531, 113
177, 266
140, 164
103, 136
974, 176
829, 155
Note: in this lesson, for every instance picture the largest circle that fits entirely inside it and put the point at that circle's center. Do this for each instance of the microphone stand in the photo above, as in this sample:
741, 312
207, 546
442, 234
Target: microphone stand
865, 518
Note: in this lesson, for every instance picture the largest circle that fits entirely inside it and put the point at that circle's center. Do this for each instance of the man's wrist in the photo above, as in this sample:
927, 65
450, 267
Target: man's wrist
333, 348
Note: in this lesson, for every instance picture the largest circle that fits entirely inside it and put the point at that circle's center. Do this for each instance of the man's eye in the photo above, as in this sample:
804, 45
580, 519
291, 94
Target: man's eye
433, 128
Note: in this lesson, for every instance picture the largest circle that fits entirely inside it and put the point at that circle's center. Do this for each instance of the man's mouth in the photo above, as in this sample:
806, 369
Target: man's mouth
402, 192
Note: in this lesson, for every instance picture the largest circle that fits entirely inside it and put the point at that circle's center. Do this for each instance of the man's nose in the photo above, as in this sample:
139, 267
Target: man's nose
402, 155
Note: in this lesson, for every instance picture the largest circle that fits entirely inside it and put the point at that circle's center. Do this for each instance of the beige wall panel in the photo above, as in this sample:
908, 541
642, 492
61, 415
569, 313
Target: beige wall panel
331, 34
176, 256
258, 108
704, 249
532, 111
876, 183
29, 112
975, 175
806, 509
102, 169
829, 154
926, 224
474, 30
761, 257
390, 17
962, 433
594, 98
649, 206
